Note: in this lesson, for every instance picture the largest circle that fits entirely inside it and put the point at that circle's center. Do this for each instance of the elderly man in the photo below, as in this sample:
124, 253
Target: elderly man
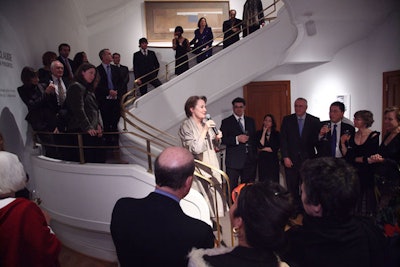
154, 231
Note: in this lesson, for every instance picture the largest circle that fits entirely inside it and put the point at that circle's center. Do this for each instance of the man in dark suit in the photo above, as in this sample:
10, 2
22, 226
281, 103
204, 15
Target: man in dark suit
238, 134
332, 130
154, 231
124, 71
64, 50
145, 67
108, 94
231, 29
299, 137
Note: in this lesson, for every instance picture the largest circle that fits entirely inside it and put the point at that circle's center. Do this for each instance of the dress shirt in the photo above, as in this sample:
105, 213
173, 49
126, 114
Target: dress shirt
58, 88
243, 124
162, 192
338, 154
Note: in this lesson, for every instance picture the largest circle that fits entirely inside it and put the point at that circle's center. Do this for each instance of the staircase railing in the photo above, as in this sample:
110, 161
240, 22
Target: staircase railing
267, 12
200, 170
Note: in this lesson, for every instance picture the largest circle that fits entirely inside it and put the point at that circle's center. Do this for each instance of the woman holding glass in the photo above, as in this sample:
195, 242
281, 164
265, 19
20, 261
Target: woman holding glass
198, 137
181, 46
268, 146
357, 149
388, 155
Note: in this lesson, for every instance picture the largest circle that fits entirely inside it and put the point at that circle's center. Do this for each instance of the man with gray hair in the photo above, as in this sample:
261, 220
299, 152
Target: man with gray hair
154, 231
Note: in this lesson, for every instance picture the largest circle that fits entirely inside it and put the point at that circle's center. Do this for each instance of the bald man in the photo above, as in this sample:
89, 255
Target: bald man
154, 231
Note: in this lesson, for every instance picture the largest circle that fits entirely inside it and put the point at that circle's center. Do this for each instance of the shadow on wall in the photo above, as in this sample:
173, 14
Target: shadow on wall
12, 138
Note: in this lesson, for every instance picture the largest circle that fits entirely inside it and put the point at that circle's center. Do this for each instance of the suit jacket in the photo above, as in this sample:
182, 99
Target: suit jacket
299, 148
82, 105
124, 72
102, 90
58, 111
236, 154
143, 65
66, 72
324, 144
228, 33
154, 231
40, 114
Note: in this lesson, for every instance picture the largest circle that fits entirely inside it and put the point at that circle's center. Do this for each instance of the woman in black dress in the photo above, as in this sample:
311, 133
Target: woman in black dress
268, 146
202, 41
181, 45
388, 155
357, 149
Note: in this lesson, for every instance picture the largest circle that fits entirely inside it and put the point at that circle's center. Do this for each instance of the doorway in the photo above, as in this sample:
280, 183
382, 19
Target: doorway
391, 90
267, 97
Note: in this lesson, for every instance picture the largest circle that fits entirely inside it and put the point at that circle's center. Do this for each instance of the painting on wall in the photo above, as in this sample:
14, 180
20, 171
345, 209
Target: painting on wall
163, 17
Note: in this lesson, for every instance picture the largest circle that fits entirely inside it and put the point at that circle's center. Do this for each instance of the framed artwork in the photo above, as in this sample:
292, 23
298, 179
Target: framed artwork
163, 16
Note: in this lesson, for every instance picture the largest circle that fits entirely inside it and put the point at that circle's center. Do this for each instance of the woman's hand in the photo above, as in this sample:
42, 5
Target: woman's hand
92, 132
99, 131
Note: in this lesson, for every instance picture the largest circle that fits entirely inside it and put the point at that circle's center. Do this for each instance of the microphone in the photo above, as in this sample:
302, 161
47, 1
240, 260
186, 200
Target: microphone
208, 117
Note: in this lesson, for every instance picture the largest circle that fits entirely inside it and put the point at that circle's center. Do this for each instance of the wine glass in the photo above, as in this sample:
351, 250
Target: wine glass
328, 125
35, 197
348, 133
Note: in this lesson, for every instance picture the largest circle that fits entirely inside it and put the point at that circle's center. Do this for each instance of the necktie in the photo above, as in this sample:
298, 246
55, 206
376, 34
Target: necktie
109, 78
241, 125
301, 124
145, 52
333, 141
61, 93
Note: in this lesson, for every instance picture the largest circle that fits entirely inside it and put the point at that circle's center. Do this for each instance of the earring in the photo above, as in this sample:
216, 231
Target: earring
235, 231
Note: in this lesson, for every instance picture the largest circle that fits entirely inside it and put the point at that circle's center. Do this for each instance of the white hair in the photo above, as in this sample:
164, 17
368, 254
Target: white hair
12, 174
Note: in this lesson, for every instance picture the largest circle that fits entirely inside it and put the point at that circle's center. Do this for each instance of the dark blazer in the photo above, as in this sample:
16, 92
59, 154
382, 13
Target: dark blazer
236, 154
102, 89
228, 33
57, 110
154, 231
40, 115
124, 72
71, 63
143, 65
324, 144
295, 147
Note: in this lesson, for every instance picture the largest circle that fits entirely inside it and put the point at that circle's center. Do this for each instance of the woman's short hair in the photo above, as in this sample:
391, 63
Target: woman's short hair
394, 109
48, 57
191, 102
178, 29
265, 209
27, 74
12, 174
366, 116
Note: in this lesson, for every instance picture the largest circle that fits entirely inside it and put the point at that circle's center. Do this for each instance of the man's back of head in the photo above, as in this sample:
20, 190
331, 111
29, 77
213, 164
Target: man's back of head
173, 167
154, 231
331, 183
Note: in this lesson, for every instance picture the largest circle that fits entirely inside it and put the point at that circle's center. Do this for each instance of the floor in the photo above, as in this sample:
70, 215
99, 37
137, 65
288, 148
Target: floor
71, 258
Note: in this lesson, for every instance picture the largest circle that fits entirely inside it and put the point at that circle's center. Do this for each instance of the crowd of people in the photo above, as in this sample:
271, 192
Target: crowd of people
73, 96
337, 175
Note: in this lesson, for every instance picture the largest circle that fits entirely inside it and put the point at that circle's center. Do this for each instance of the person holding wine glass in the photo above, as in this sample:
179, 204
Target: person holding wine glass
268, 146
357, 149
332, 130
388, 156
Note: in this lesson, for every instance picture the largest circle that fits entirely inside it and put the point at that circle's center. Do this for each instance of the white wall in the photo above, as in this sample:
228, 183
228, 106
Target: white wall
355, 70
